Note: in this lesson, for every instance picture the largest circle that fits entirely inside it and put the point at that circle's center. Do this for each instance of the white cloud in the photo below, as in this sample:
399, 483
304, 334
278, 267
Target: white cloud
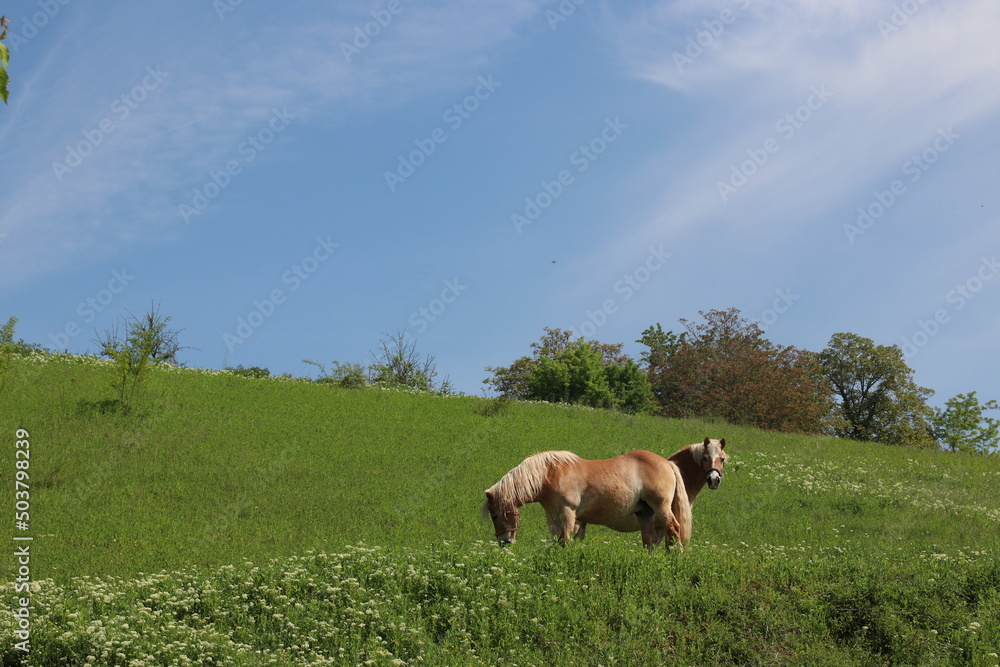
892, 88
219, 87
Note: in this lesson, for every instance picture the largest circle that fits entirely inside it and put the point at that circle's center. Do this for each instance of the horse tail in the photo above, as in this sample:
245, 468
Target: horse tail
681, 506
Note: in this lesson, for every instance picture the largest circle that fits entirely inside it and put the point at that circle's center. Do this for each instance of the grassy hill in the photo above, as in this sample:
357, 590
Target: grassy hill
294, 523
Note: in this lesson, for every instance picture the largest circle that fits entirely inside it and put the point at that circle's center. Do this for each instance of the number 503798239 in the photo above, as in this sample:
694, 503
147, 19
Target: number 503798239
22, 455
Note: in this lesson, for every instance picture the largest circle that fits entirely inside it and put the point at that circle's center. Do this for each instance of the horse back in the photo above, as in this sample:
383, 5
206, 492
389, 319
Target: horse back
619, 481
650, 466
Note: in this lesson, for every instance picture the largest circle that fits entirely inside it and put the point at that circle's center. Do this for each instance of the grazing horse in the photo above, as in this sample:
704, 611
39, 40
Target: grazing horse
639, 490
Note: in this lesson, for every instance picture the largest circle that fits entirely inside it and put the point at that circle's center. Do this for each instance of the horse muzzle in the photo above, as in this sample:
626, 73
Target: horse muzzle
505, 541
714, 478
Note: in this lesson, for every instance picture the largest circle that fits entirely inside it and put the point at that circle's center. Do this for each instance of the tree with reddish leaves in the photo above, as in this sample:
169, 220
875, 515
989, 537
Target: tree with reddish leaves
724, 368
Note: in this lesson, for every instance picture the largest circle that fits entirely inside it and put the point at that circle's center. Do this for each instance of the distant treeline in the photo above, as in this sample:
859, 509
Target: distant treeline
719, 368
722, 367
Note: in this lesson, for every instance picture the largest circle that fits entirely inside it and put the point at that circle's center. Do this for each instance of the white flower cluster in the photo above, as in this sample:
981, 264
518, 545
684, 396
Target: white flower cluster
356, 606
826, 476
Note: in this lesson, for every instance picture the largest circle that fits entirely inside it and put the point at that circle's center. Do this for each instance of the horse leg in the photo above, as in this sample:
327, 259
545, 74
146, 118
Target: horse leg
562, 523
581, 530
662, 523
673, 534
647, 526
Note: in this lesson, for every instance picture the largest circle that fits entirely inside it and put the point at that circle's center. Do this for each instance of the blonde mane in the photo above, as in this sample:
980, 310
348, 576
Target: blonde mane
697, 450
524, 482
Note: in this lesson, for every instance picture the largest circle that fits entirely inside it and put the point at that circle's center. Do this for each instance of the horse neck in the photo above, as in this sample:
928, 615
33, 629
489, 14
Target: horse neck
527, 482
694, 476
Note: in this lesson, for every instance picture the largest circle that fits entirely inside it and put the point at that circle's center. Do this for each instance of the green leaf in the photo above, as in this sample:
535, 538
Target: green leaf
3, 85
4, 54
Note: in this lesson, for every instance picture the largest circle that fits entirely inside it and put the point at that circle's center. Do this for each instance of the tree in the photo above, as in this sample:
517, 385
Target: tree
397, 364
580, 375
4, 59
511, 382
629, 387
7, 349
561, 370
255, 372
348, 375
145, 343
574, 375
723, 368
660, 344
878, 399
163, 340
962, 427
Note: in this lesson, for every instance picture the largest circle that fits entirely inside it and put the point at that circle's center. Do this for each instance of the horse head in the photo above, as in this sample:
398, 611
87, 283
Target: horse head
505, 519
713, 461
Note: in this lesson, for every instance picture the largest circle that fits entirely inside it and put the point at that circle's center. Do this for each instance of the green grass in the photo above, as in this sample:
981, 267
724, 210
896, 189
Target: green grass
249, 498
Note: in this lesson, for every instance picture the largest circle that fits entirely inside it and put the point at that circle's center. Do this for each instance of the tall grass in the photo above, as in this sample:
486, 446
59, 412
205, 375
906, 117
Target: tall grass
250, 498
604, 603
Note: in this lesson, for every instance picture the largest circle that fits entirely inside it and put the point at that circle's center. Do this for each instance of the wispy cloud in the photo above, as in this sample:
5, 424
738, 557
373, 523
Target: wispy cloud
95, 172
894, 80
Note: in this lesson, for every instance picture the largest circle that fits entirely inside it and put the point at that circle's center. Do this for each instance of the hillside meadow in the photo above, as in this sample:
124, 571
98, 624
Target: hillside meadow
240, 521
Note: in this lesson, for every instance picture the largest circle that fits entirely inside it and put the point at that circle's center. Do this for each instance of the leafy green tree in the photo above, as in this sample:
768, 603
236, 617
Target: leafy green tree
661, 346
630, 387
878, 400
724, 368
574, 375
4, 59
962, 427
563, 370
579, 374
511, 382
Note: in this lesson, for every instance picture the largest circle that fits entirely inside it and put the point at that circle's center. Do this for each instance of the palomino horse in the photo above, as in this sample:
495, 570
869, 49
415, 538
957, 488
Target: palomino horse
635, 491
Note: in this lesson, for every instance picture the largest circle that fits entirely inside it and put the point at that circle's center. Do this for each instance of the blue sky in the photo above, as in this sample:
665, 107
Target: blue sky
293, 185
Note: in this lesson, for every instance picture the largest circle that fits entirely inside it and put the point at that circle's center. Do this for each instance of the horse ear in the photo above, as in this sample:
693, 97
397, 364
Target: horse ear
722, 443
707, 440
489, 496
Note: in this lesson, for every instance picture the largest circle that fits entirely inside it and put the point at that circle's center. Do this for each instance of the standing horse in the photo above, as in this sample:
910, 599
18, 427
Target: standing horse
639, 490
